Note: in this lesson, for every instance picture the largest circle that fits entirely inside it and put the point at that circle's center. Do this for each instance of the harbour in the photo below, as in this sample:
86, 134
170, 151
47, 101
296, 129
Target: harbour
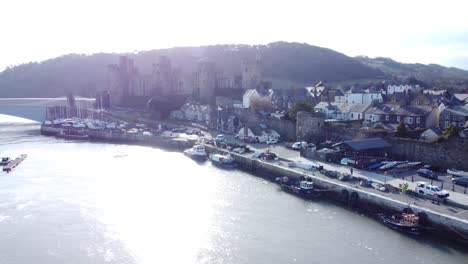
229, 215
448, 224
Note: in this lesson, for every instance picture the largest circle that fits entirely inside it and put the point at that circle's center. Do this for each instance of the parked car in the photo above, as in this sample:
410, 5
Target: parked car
299, 145
272, 141
427, 189
463, 181
427, 174
268, 156
220, 137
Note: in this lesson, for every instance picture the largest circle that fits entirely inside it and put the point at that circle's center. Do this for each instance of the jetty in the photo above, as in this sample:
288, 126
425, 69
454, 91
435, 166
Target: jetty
15, 163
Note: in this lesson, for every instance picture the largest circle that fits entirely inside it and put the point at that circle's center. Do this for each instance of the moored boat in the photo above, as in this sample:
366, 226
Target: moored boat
403, 222
223, 161
4, 161
302, 188
196, 152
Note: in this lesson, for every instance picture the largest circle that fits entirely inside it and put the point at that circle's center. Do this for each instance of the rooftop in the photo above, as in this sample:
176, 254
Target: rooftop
365, 144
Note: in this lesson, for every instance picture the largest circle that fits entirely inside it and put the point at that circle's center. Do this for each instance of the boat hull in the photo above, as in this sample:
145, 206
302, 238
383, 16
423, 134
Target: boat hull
224, 165
387, 220
196, 157
306, 194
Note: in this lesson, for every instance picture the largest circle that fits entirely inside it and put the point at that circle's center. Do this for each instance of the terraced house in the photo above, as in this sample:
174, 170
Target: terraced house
455, 115
413, 116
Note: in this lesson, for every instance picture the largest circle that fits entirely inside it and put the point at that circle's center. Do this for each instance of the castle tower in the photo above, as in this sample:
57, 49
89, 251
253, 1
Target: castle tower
251, 72
162, 74
205, 80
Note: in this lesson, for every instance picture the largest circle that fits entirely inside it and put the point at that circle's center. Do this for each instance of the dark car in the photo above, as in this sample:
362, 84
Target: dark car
463, 181
427, 174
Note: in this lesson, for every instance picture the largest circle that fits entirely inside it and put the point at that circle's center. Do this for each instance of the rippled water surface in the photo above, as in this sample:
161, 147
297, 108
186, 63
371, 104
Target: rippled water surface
79, 202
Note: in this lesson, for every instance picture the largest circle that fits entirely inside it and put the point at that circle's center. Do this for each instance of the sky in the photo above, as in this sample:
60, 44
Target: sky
405, 30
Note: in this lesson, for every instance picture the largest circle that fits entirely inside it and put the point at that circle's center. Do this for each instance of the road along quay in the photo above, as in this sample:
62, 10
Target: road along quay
448, 222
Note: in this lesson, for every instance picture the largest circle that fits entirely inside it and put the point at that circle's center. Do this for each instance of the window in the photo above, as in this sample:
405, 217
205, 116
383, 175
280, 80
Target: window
352, 115
387, 117
418, 120
447, 123
398, 118
410, 120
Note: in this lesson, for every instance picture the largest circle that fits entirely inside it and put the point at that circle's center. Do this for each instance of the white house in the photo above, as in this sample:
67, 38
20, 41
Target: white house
261, 135
193, 112
362, 97
391, 89
342, 111
260, 95
431, 134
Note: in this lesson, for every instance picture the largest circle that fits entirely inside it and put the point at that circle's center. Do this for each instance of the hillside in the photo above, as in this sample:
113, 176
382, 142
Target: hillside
432, 74
284, 63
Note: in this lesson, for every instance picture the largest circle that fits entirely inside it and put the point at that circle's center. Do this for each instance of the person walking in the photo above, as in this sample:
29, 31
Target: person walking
351, 170
436, 199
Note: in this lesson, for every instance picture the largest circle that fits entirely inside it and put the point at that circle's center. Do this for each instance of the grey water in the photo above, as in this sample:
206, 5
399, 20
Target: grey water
82, 202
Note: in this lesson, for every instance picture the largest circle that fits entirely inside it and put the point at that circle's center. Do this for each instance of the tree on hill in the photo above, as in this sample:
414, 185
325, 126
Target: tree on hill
451, 131
401, 130
299, 105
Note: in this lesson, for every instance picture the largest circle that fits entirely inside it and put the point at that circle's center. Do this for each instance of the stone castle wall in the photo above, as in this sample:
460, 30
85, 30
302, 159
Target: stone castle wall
446, 154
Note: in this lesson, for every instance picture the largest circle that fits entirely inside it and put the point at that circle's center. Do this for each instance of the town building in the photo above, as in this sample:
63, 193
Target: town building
361, 149
431, 134
454, 115
401, 88
412, 116
358, 96
258, 133
193, 112
260, 99
321, 93
342, 111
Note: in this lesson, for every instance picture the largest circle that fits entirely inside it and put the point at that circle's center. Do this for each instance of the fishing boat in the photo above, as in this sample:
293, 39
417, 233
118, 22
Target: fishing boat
406, 223
223, 161
5, 161
457, 173
302, 188
196, 152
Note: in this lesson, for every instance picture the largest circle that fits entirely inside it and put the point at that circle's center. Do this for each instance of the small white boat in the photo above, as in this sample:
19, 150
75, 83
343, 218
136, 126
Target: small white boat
223, 161
457, 173
196, 152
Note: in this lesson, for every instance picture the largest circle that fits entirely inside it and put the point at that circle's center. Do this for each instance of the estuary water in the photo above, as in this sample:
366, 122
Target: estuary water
81, 202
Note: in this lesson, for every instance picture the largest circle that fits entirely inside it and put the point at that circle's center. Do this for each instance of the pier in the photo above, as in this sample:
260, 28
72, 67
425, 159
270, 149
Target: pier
14, 163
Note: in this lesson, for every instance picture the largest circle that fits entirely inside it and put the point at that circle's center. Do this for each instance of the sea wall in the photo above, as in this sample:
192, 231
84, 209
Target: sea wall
167, 143
343, 192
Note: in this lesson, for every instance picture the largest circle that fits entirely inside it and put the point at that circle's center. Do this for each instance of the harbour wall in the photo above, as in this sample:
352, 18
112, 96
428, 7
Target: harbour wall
167, 143
349, 194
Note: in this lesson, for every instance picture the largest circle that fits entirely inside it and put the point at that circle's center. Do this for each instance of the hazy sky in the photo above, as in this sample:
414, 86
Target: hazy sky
406, 30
